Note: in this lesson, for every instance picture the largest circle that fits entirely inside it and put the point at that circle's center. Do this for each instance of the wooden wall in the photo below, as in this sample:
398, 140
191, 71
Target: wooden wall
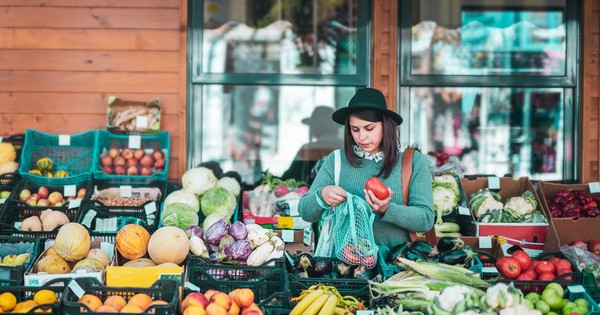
61, 59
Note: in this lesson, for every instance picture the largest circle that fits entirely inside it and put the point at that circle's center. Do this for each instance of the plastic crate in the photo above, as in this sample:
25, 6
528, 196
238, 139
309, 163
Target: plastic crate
358, 288
277, 304
23, 293
42, 236
576, 292
264, 280
76, 158
8, 182
149, 143
17, 140
62, 189
11, 276
146, 215
166, 290
591, 285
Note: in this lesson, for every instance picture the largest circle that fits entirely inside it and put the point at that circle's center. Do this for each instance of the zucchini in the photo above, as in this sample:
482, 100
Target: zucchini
447, 227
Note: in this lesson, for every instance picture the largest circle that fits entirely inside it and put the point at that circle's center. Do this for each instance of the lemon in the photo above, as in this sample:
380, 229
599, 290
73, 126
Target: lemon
44, 297
7, 301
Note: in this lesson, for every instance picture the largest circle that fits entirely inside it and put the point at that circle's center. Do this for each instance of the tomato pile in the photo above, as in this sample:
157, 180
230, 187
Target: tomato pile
520, 266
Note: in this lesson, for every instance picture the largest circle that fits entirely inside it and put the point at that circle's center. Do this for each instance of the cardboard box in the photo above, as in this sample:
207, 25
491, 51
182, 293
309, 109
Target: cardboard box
296, 239
38, 279
526, 235
133, 117
566, 230
119, 276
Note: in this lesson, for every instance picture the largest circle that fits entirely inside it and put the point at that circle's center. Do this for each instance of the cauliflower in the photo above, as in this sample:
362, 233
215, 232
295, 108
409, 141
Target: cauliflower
444, 199
489, 204
517, 207
484, 201
448, 179
502, 296
451, 296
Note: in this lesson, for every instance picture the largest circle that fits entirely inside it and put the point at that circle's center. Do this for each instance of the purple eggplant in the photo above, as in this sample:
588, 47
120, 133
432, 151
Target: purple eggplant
225, 245
240, 250
216, 232
238, 230
212, 248
194, 230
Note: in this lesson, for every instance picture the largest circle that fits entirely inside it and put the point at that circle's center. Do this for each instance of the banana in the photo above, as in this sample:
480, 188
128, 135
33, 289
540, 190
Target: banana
342, 311
21, 259
9, 259
307, 301
329, 306
315, 307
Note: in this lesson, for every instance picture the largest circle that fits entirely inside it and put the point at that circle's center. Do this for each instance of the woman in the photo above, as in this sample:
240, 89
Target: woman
371, 148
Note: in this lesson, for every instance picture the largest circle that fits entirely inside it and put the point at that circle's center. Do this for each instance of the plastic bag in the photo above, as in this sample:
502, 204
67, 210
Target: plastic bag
451, 167
325, 245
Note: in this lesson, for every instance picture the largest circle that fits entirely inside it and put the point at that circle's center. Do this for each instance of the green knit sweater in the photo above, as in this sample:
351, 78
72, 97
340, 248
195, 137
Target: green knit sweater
391, 228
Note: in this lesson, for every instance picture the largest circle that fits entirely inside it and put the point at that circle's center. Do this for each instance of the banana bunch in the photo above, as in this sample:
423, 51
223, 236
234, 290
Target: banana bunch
15, 260
324, 300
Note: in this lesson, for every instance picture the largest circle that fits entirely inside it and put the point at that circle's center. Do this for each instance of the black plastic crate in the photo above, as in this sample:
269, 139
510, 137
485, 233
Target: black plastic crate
277, 304
166, 290
146, 214
33, 188
42, 236
264, 280
358, 288
13, 275
23, 293
9, 183
17, 140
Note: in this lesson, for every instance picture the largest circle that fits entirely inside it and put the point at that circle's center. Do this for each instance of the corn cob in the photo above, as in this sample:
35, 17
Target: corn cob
447, 272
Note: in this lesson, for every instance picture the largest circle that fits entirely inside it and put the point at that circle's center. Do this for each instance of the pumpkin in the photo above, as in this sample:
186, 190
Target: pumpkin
132, 241
72, 242
140, 263
89, 265
35, 172
99, 255
7, 152
169, 244
53, 264
45, 165
61, 174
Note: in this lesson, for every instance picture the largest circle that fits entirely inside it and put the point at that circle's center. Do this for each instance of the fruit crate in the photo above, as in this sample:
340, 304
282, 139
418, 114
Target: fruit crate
263, 280
7, 229
165, 290
14, 245
591, 285
8, 185
358, 288
102, 217
277, 304
23, 293
27, 190
72, 153
576, 292
567, 279
148, 143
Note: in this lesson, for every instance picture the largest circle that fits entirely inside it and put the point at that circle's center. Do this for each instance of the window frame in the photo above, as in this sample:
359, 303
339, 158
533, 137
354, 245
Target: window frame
569, 82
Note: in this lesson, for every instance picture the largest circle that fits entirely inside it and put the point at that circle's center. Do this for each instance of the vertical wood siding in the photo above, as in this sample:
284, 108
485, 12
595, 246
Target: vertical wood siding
385, 35
61, 59
590, 151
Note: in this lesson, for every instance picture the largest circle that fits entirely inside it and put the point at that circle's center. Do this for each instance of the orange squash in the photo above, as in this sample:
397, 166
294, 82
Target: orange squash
132, 241
72, 242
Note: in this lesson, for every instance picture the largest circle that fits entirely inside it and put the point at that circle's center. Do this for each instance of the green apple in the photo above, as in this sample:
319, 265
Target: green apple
551, 297
4, 194
568, 308
557, 287
582, 302
552, 313
529, 304
533, 297
581, 309
542, 307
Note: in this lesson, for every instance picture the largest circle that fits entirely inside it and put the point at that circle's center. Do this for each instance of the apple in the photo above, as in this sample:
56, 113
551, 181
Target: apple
119, 161
35, 197
106, 160
55, 197
132, 162
147, 161
139, 153
81, 192
24, 194
133, 170
209, 293
43, 203
146, 171
158, 154
107, 169
127, 153
71, 198
120, 170
31, 202
158, 170
113, 153
59, 204
43, 192
159, 163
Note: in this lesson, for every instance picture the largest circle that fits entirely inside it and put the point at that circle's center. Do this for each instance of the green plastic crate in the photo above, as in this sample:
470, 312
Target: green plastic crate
576, 292
75, 158
15, 245
149, 143
591, 285
23, 293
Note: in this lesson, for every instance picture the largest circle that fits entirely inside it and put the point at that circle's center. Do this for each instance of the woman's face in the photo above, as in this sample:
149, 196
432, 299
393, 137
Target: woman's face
366, 134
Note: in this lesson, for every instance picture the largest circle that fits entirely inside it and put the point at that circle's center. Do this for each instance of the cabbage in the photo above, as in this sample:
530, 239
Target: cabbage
180, 215
182, 196
230, 184
198, 180
218, 200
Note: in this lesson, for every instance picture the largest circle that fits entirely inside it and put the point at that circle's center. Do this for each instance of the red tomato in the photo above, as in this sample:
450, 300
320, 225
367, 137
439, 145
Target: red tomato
509, 267
377, 187
594, 246
531, 273
534, 263
563, 271
523, 258
561, 263
553, 260
526, 276
546, 276
544, 267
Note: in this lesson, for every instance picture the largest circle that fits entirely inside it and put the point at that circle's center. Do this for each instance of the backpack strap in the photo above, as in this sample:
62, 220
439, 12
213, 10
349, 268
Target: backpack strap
407, 164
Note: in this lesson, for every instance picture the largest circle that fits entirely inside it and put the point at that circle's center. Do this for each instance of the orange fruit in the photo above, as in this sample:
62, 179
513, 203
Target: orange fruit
131, 308
7, 301
45, 297
116, 301
92, 301
106, 309
141, 300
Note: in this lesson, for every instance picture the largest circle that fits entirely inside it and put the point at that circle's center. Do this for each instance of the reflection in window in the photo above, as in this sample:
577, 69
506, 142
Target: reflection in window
280, 36
491, 38
251, 129
493, 131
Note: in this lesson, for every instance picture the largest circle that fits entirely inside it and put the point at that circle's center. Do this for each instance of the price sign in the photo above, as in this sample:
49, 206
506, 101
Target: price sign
64, 140
287, 236
75, 203
464, 211
125, 191
150, 208
76, 288
494, 183
141, 122
594, 187
135, 142
70, 191
485, 242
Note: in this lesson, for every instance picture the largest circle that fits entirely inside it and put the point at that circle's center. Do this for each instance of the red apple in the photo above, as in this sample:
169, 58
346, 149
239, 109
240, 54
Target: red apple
31, 202
197, 299
107, 169
43, 203
43, 192
55, 197
81, 192
127, 153
139, 153
24, 195
158, 170
106, 160
147, 161
35, 197
158, 154
132, 162
113, 153
146, 171
159, 163
119, 161
120, 170
133, 170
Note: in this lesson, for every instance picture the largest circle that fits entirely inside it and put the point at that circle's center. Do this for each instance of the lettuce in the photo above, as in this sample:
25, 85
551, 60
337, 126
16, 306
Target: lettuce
183, 196
179, 215
218, 200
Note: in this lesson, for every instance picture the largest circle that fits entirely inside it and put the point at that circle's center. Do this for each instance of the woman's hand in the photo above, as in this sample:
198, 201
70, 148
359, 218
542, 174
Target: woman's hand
378, 206
333, 195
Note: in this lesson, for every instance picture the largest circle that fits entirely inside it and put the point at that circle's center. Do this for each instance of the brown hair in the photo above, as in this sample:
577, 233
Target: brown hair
389, 141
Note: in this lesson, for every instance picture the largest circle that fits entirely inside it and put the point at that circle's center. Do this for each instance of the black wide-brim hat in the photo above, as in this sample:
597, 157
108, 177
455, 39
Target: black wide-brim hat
365, 99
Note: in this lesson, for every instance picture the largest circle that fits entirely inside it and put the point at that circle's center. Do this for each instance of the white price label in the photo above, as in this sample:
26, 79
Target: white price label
191, 287
135, 142
489, 270
364, 312
1, 139
76, 288
494, 183
88, 218
287, 236
594, 187
141, 122
70, 191
485, 242
75, 203
2, 201
575, 289
125, 191
464, 211
150, 208
17, 225
64, 140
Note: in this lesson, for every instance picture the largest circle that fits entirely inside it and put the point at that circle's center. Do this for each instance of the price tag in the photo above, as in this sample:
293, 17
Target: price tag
48, 244
125, 191
141, 122
485, 242
2, 201
88, 218
464, 211
17, 225
287, 236
576, 289
1, 139
294, 207
150, 208
364, 312
494, 183
75, 203
70, 191
64, 140
489, 270
135, 142
76, 288
191, 287
594, 187
307, 236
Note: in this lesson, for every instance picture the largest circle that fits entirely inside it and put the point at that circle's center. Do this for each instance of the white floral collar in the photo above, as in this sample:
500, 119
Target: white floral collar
368, 156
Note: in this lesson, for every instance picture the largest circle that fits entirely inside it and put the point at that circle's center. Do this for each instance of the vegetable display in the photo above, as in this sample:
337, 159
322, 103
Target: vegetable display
573, 204
488, 208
